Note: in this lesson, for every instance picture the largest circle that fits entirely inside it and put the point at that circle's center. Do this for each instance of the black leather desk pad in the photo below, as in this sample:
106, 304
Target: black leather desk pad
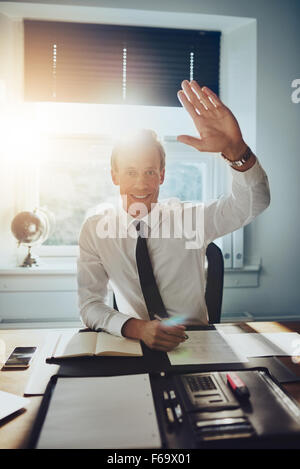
155, 361
274, 427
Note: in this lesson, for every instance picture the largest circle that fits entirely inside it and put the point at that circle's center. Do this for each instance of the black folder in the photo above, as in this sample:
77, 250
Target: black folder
269, 419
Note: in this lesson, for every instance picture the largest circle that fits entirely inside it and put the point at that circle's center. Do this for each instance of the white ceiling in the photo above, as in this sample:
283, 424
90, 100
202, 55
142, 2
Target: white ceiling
93, 14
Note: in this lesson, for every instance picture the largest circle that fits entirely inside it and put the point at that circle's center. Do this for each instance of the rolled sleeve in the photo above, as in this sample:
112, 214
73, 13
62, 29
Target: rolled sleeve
250, 195
251, 177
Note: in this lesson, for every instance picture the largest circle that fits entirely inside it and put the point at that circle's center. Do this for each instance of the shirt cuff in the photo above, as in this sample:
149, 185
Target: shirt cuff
250, 177
116, 323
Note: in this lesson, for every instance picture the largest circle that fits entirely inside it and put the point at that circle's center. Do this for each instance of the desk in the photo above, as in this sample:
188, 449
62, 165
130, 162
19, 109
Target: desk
14, 432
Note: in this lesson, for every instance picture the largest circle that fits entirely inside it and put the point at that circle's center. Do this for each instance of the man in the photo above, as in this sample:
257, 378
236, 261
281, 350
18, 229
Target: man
138, 169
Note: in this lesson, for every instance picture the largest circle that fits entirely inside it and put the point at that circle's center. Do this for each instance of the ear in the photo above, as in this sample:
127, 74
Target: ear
115, 176
162, 176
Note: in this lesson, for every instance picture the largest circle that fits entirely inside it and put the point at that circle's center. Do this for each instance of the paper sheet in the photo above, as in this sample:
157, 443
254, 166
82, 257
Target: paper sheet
10, 403
101, 412
42, 371
265, 344
204, 347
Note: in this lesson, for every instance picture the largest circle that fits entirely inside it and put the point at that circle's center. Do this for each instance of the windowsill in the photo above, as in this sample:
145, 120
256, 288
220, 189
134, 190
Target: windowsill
43, 269
248, 276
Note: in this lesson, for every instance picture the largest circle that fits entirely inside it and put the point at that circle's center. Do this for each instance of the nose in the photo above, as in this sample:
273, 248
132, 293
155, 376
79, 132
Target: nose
140, 182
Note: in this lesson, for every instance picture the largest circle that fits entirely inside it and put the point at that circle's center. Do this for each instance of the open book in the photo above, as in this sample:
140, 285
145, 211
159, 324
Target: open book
83, 344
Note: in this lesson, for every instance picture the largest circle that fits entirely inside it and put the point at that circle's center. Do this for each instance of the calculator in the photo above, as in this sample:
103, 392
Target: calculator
205, 391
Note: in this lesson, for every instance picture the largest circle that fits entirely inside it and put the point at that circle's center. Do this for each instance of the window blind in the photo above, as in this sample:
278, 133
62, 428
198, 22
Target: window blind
110, 64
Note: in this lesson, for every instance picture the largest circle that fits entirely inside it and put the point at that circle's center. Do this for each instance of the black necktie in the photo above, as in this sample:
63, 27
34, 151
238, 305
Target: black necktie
149, 287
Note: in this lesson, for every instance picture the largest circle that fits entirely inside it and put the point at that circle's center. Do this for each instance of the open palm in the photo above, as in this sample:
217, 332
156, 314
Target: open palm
218, 129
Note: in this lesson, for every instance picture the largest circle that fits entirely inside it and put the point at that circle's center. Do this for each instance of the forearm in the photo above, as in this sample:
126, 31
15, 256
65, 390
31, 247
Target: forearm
133, 328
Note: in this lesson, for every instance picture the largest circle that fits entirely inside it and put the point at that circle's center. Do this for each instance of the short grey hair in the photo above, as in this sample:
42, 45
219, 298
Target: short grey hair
141, 138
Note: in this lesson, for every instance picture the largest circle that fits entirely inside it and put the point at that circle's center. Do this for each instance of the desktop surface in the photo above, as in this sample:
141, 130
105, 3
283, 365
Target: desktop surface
15, 431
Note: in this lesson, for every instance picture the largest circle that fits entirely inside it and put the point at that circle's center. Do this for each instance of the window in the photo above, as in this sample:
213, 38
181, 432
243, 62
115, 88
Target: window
84, 63
97, 63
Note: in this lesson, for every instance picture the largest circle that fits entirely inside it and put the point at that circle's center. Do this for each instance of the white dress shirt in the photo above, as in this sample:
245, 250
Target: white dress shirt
178, 262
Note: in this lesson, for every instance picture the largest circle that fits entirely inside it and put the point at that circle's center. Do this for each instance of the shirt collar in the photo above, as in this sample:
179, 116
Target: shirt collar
152, 219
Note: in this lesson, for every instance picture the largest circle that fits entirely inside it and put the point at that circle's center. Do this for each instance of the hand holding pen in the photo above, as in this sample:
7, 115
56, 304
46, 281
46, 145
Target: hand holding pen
160, 334
172, 321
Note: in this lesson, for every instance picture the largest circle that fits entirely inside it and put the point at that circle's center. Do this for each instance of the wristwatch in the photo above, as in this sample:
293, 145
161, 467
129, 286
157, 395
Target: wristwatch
241, 161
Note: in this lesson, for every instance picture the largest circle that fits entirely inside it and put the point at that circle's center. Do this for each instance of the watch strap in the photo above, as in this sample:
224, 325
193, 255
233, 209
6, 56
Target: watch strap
241, 161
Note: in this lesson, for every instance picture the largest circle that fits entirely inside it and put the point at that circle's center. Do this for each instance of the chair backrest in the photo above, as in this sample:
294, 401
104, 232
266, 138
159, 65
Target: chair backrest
214, 283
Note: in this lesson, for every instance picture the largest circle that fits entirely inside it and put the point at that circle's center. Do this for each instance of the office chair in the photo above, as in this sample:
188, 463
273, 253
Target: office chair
214, 283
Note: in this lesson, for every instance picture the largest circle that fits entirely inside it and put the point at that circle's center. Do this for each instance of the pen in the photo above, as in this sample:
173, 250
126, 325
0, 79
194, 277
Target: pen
171, 322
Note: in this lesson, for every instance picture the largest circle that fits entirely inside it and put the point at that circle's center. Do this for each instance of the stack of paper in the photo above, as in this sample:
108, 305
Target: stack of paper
205, 347
10, 403
265, 344
101, 412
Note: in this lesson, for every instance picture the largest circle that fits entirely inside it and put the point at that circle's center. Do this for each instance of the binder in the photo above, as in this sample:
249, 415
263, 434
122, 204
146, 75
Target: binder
227, 250
238, 248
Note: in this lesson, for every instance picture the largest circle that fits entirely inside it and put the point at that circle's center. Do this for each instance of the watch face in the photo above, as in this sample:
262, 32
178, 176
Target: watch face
238, 163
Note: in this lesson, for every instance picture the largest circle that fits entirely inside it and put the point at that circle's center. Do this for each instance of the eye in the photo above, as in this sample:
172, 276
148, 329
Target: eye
150, 172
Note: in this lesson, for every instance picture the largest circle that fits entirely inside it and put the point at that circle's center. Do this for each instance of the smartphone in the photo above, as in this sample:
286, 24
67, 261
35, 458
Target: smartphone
20, 357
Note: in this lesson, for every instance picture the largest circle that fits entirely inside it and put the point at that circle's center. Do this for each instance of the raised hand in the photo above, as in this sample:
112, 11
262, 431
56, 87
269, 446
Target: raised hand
218, 129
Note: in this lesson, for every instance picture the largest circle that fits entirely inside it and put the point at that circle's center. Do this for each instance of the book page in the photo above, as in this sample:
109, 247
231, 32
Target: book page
204, 347
108, 344
76, 345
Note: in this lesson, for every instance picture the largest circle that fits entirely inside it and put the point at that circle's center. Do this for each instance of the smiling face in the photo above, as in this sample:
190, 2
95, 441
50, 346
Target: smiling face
139, 174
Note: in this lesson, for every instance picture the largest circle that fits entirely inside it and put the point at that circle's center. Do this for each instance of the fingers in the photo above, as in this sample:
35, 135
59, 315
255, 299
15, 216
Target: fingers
171, 332
187, 104
197, 96
166, 342
165, 337
159, 336
192, 141
212, 96
194, 98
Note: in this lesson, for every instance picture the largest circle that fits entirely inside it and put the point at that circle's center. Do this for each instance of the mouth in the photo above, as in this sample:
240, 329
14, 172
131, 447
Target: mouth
140, 197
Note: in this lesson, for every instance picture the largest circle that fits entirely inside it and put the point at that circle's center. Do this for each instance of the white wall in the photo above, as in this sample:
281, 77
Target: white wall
10, 86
